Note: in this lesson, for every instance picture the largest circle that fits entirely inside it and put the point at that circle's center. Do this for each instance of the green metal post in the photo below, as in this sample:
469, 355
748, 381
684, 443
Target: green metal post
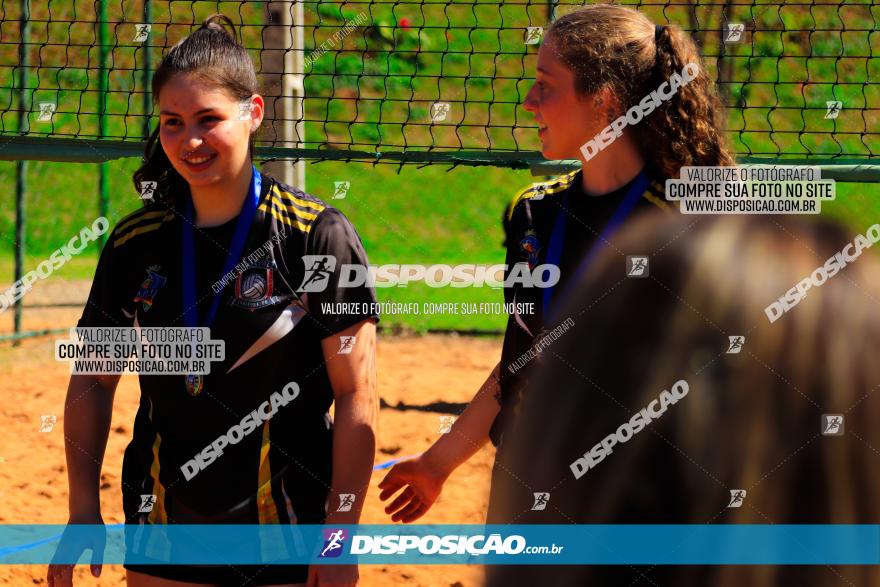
148, 65
24, 107
551, 10
103, 83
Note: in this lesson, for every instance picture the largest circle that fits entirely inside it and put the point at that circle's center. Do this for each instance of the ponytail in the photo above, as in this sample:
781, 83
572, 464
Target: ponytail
213, 54
687, 129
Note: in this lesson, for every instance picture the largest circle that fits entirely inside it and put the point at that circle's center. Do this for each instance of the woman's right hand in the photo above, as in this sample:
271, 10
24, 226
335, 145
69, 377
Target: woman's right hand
421, 483
83, 532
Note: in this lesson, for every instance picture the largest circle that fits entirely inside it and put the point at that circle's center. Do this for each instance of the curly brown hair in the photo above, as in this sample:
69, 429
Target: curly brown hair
620, 48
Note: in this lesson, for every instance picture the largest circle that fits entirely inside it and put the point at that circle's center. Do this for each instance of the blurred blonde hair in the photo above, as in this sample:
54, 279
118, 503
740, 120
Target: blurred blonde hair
750, 420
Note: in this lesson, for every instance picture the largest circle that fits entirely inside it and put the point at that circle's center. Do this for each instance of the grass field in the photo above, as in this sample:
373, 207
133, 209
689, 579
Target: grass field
373, 90
398, 220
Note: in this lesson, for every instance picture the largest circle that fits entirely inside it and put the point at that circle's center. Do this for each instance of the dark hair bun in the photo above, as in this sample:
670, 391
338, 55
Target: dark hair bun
222, 23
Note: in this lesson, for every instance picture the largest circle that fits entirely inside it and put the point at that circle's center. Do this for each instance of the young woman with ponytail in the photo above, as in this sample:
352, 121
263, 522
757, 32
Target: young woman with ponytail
594, 65
224, 247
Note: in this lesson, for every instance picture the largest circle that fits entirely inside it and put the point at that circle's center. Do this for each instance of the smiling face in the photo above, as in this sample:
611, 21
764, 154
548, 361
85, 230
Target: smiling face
204, 131
565, 120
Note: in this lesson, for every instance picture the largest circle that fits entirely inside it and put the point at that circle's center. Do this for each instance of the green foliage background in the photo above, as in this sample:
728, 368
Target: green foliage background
373, 90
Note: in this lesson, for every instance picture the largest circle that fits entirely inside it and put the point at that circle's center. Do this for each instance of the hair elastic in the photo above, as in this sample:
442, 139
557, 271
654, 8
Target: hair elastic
658, 30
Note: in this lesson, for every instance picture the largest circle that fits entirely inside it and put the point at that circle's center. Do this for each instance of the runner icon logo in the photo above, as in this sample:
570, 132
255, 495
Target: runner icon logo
637, 267
333, 543
541, 500
736, 498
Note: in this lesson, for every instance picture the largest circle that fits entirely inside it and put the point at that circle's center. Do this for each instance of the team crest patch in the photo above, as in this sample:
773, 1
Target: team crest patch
255, 286
194, 383
529, 247
150, 287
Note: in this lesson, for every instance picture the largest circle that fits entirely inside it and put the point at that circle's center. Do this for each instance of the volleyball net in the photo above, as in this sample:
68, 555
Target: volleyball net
423, 80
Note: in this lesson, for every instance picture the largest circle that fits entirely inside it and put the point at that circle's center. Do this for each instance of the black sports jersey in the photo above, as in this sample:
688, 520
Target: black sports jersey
528, 226
281, 471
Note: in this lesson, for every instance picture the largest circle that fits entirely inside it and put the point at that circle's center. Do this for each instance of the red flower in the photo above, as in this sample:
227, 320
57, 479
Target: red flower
404, 23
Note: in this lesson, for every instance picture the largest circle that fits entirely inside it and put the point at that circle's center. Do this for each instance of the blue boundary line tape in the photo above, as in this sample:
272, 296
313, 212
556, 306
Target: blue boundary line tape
392, 462
30, 546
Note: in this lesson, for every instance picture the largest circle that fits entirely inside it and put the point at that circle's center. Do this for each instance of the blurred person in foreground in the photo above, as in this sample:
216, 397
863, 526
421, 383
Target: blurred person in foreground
751, 415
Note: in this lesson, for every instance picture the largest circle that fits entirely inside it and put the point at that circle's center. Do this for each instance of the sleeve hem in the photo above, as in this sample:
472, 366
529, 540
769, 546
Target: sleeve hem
347, 322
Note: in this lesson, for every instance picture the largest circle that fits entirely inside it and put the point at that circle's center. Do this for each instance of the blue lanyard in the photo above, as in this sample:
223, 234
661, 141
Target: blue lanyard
245, 218
557, 238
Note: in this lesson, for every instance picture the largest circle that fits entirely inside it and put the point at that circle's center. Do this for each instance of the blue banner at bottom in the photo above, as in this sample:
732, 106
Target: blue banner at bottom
444, 544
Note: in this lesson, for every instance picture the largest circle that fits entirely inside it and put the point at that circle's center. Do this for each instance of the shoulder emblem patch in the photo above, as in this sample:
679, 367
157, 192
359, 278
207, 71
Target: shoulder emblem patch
150, 287
529, 247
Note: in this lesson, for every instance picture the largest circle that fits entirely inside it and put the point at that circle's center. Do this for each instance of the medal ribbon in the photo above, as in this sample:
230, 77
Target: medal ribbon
236, 247
557, 238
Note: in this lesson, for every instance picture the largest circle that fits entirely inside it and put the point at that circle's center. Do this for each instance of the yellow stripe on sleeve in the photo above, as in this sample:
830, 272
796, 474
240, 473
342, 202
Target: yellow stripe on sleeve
138, 217
140, 230
299, 201
284, 218
554, 186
